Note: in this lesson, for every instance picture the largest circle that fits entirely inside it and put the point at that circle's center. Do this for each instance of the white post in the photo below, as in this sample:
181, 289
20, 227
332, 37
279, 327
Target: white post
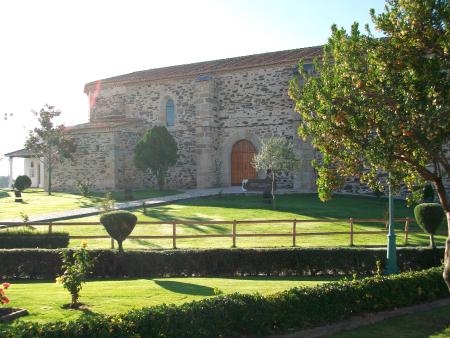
10, 172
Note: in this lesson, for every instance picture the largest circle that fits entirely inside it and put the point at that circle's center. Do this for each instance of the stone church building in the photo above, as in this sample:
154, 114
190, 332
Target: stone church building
218, 112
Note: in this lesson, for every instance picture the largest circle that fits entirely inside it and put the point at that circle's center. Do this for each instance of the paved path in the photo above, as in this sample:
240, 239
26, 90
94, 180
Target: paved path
82, 212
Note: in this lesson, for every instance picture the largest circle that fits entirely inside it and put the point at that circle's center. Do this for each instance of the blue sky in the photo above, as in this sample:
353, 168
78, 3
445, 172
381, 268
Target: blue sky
51, 48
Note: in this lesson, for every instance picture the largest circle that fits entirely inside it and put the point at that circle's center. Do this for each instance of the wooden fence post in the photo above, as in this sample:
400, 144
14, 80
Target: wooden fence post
351, 231
406, 230
112, 243
50, 228
174, 235
294, 232
234, 233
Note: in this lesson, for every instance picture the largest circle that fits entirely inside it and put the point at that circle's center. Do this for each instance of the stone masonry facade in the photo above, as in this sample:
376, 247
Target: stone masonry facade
217, 103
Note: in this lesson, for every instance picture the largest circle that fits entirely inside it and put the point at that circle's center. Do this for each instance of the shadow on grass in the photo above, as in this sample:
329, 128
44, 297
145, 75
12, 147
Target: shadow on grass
162, 213
185, 288
3, 194
309, 205
145, 243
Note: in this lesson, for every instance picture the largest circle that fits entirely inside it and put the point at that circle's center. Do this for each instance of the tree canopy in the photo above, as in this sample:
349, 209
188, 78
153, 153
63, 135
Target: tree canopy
381, 105
48, 142
157, 151
276, 155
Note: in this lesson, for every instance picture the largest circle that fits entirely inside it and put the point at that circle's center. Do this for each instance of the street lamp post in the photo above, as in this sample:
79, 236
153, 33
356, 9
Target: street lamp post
391, 264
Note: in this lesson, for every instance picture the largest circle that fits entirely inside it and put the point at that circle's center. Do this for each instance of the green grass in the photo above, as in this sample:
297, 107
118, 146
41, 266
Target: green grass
38, 202
299, 206
433, 323
44, 300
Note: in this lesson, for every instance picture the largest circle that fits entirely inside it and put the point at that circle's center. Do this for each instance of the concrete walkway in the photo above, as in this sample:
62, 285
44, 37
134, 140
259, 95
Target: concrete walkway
82, 212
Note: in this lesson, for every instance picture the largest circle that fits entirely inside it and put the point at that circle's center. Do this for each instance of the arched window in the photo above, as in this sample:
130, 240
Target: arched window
170, 113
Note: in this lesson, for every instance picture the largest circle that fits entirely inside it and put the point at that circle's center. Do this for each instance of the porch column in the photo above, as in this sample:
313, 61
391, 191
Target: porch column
10, 172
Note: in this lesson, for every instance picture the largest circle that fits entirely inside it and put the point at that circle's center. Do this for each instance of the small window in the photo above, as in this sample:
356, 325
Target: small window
170, 113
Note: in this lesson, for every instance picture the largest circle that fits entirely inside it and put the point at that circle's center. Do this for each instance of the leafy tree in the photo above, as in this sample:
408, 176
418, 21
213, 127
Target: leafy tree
157, 151
276, 155
48, 142
382, 105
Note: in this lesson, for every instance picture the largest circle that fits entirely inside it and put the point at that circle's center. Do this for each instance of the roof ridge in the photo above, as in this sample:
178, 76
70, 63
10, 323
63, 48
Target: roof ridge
211, 66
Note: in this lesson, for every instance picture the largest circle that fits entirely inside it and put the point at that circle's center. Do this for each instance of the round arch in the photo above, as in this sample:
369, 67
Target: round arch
226, 148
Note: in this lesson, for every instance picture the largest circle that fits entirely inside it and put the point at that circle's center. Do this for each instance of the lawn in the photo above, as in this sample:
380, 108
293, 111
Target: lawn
44, 300
433, 323
38, 202
298, 206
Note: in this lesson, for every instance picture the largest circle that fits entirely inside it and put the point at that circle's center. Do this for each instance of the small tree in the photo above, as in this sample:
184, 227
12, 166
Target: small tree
428, 194
48, 142
382, 105
76, 268
276, 155
119, 224
157, 151
429, 216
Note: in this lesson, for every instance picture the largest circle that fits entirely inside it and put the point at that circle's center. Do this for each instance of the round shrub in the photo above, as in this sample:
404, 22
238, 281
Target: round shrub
429, 216
118, 224
22, 182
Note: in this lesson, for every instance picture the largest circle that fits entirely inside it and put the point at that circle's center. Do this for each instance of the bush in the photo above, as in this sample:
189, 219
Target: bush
119, 224
428, 194
429, 216
28, 239
243, 315
22, 182
76, 265
46, 264
83, 186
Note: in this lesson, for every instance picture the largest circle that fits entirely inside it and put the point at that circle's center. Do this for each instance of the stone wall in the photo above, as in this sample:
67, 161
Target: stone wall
213, 111
94, 161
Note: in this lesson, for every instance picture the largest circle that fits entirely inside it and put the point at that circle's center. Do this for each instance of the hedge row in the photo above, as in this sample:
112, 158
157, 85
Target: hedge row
239, 315
39, 264
12, 239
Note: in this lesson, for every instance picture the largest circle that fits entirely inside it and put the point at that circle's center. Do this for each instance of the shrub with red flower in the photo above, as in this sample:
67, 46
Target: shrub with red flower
3, 298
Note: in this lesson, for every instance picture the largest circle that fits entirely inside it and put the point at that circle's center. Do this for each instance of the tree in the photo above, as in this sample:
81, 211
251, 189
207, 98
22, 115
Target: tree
48, 142
157, 151
119, 225
429, 216
382, 105
276, 155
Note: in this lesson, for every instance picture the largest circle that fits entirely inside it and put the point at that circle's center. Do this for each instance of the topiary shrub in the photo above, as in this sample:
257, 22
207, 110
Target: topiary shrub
119, 224
22, 182
428, 194
429, 216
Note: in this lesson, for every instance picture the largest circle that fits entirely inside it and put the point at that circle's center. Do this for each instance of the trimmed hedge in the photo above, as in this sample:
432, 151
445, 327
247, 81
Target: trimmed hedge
239, 315
16, 240
45, 264
119, 225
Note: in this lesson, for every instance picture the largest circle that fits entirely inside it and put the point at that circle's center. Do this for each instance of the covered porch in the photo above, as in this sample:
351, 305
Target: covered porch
33, 167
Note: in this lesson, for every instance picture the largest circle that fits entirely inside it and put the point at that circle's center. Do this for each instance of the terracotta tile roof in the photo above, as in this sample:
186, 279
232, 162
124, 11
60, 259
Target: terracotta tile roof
209, 67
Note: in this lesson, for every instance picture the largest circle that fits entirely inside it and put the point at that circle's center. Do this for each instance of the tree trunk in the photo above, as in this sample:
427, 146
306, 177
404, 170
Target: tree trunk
447, 254
444, 203
273, 190
49, 169
120, 247
432, 243
74, 301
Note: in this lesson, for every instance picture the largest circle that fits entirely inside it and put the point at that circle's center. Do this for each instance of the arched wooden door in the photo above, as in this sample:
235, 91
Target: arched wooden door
241, 162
